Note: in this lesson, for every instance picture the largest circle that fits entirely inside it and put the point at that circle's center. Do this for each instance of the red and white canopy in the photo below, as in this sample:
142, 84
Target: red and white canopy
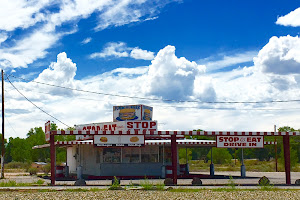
180, 142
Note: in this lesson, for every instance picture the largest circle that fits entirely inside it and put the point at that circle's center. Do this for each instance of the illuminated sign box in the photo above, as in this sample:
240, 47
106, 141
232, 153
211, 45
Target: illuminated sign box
240, 142
132, 112
119, 140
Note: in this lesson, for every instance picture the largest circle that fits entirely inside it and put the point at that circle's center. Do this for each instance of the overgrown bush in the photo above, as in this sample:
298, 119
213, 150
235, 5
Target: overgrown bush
220, 156
146, 184
39, 182
115, 185
10, 183
264, 183
17, 165
32, 171
46, 168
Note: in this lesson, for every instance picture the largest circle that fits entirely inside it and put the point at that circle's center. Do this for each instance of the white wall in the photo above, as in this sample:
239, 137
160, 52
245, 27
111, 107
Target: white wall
71, 161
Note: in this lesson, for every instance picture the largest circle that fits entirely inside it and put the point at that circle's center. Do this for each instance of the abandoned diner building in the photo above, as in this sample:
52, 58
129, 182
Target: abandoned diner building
131, 147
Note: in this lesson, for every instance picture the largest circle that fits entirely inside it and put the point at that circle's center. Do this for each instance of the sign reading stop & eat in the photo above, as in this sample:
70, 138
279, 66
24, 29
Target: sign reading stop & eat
240, 142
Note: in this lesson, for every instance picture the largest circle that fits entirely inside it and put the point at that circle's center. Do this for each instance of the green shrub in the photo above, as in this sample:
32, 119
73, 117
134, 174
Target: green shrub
46, 168
39, 182
231, 183
115, 185
32, 171
17, 165
146, 184
264, 183
220, 156
8, 184
160, 186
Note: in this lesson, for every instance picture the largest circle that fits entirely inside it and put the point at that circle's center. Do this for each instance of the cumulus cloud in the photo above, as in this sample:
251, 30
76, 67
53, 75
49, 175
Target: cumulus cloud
291, 19
280, 56
59, 73
168, 77
120, 49
171, 77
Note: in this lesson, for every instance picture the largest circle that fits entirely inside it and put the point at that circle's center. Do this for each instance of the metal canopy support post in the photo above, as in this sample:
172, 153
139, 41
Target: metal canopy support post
174, 159
276, 161
186, 155
287, 159
211, 167
52, 157
243, 168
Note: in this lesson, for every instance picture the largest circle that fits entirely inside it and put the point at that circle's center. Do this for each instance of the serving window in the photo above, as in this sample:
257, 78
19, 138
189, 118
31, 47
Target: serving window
111, 155
150, 154
130, 155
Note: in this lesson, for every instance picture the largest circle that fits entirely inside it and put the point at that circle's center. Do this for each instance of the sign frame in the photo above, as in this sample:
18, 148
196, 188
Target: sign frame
47, 131
239, 141
119, 140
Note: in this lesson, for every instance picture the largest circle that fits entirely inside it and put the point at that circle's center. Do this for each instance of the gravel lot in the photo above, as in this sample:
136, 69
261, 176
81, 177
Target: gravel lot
202, 194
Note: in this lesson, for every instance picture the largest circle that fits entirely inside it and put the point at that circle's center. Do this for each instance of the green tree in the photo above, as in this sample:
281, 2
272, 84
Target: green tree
19, 149
62, 152
220, 155
36, 136
183, 152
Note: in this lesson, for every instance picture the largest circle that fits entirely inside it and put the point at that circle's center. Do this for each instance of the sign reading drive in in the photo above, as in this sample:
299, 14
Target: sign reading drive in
240, 142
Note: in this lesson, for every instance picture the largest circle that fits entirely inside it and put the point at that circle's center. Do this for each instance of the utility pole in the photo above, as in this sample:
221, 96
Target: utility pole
3, 148
276, 165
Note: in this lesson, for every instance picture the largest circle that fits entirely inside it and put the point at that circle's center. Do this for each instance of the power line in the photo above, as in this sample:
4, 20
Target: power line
192, 107
35, 104
11, 125
159, 99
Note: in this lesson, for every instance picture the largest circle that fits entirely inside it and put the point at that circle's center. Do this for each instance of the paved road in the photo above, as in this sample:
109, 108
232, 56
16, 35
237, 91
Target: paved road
276, 178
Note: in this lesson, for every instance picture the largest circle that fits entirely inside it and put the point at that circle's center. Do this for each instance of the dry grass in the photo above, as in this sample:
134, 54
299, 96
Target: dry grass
252, 165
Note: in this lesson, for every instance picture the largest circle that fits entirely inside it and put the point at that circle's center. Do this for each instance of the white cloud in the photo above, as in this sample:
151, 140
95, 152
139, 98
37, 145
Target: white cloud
44, 16
212, 63
291, 19
21, 13
138, 53
127, 11
112, 49
170, 77
27, 50
120, 49
59, 73
3, 37
86, 40
280, 56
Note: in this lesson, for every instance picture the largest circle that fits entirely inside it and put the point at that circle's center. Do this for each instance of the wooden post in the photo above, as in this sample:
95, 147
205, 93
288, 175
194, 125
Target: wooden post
276, 160
52, 157
287, 158
174, 158
3, 148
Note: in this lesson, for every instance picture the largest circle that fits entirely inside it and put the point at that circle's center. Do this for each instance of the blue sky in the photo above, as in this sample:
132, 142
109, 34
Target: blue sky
180, 50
